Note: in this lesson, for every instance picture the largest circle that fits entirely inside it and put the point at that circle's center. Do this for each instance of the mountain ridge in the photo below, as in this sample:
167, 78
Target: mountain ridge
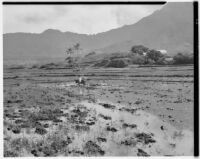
170, 28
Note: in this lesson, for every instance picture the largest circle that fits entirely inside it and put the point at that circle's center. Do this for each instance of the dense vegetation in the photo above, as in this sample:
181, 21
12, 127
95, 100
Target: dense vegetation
144, 55
138, 55
183, 59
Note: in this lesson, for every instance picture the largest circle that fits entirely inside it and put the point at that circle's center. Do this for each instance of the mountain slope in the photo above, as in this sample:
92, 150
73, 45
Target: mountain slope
170, 28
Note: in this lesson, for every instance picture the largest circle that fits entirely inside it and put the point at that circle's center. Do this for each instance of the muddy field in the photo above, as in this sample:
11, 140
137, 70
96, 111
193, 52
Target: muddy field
141, 111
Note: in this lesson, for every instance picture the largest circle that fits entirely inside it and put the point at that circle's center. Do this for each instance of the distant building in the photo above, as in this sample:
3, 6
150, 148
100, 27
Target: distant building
164, 52
168, 59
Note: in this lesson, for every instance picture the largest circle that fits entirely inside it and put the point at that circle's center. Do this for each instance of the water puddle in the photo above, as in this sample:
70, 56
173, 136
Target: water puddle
169, 140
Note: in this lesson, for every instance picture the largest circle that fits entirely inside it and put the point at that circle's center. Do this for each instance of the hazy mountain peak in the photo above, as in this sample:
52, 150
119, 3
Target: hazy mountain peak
51, 31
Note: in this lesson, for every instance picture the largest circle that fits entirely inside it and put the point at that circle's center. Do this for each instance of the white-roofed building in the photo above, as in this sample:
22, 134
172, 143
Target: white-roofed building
164, 52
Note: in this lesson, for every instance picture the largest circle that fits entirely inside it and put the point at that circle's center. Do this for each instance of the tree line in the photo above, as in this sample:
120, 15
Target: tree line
144, 55
139, 54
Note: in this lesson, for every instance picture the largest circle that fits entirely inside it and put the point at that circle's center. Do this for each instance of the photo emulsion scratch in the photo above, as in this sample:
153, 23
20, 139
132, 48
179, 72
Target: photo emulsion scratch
98, 80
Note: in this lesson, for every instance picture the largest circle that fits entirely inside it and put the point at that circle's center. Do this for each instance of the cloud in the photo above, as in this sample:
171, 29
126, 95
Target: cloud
42, 14
134, 13
89, 19
60, 10
33, 19
85, 19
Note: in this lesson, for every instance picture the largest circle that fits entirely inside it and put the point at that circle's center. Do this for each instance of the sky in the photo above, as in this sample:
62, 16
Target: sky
85, 19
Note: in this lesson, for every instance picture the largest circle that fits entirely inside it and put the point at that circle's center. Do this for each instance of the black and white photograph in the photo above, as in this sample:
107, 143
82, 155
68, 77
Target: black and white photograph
98, 79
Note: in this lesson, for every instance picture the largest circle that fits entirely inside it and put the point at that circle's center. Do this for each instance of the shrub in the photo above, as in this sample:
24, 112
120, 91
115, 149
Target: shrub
40, 130
154, 55
139, 49
118, 63
92, 149
101, 63
149, 61
137, 59
10, 154
161, 61
183, 59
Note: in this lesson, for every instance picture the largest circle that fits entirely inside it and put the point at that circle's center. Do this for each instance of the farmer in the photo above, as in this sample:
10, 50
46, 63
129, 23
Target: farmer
81, 81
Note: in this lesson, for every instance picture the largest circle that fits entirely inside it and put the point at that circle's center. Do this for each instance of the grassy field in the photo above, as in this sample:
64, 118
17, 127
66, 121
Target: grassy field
141, 111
